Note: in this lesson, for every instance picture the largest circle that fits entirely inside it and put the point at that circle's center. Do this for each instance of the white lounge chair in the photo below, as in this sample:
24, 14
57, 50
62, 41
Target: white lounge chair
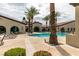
1, 39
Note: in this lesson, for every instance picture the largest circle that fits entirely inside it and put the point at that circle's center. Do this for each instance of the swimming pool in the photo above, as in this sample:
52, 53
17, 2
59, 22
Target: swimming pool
45, 34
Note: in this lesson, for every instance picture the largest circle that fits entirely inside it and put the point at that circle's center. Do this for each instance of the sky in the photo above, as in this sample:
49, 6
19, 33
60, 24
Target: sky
17, 11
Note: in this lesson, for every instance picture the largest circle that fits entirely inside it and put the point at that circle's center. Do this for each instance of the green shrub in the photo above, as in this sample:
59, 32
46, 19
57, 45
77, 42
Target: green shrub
42, 53
15, 52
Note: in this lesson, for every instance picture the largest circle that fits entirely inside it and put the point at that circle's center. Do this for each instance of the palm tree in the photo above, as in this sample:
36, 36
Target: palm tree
46, 18
53, 24
31, 12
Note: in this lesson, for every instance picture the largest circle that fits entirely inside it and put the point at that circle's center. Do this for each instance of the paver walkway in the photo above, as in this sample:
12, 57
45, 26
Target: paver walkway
19, 41
29, 47
60, 50
33, 44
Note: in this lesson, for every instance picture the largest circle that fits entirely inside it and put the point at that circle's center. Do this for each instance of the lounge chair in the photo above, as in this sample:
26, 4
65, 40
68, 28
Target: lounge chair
45, 41
1, 39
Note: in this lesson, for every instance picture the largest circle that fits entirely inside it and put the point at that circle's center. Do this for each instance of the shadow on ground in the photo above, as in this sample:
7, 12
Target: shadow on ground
11, 36
62, 51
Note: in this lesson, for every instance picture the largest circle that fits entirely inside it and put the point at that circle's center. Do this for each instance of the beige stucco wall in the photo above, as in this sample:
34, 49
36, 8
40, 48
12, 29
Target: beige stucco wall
8, 24
77, 20
70, 39
74, 39
39, 25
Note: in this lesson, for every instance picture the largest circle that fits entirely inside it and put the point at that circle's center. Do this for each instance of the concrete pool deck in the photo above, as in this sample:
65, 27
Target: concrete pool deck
59, 50
19, 41
33, 44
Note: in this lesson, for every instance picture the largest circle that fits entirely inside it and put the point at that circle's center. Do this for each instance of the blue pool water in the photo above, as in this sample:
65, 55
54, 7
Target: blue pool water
44, 34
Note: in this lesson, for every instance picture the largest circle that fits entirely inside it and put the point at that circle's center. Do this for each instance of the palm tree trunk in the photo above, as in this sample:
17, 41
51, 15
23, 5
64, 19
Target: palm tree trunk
46, 26
29, 26
32, 26
53, 36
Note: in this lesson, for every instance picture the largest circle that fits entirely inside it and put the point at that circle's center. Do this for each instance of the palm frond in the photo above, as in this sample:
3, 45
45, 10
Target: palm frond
31, 12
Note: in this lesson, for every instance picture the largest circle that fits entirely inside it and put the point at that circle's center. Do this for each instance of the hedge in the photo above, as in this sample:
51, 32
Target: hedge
15, 52
42, 53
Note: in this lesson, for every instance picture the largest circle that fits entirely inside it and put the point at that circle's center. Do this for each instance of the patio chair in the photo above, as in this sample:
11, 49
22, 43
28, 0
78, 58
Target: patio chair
1, 39
45, 41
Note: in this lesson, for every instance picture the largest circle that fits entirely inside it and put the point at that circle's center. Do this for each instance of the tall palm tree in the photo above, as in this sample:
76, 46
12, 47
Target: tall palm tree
31, 12
53, 24
46, 18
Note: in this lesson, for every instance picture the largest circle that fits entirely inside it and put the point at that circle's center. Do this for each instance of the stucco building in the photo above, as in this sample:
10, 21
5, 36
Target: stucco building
8, 25
37, 27
66, 26
61, 27
73, 39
